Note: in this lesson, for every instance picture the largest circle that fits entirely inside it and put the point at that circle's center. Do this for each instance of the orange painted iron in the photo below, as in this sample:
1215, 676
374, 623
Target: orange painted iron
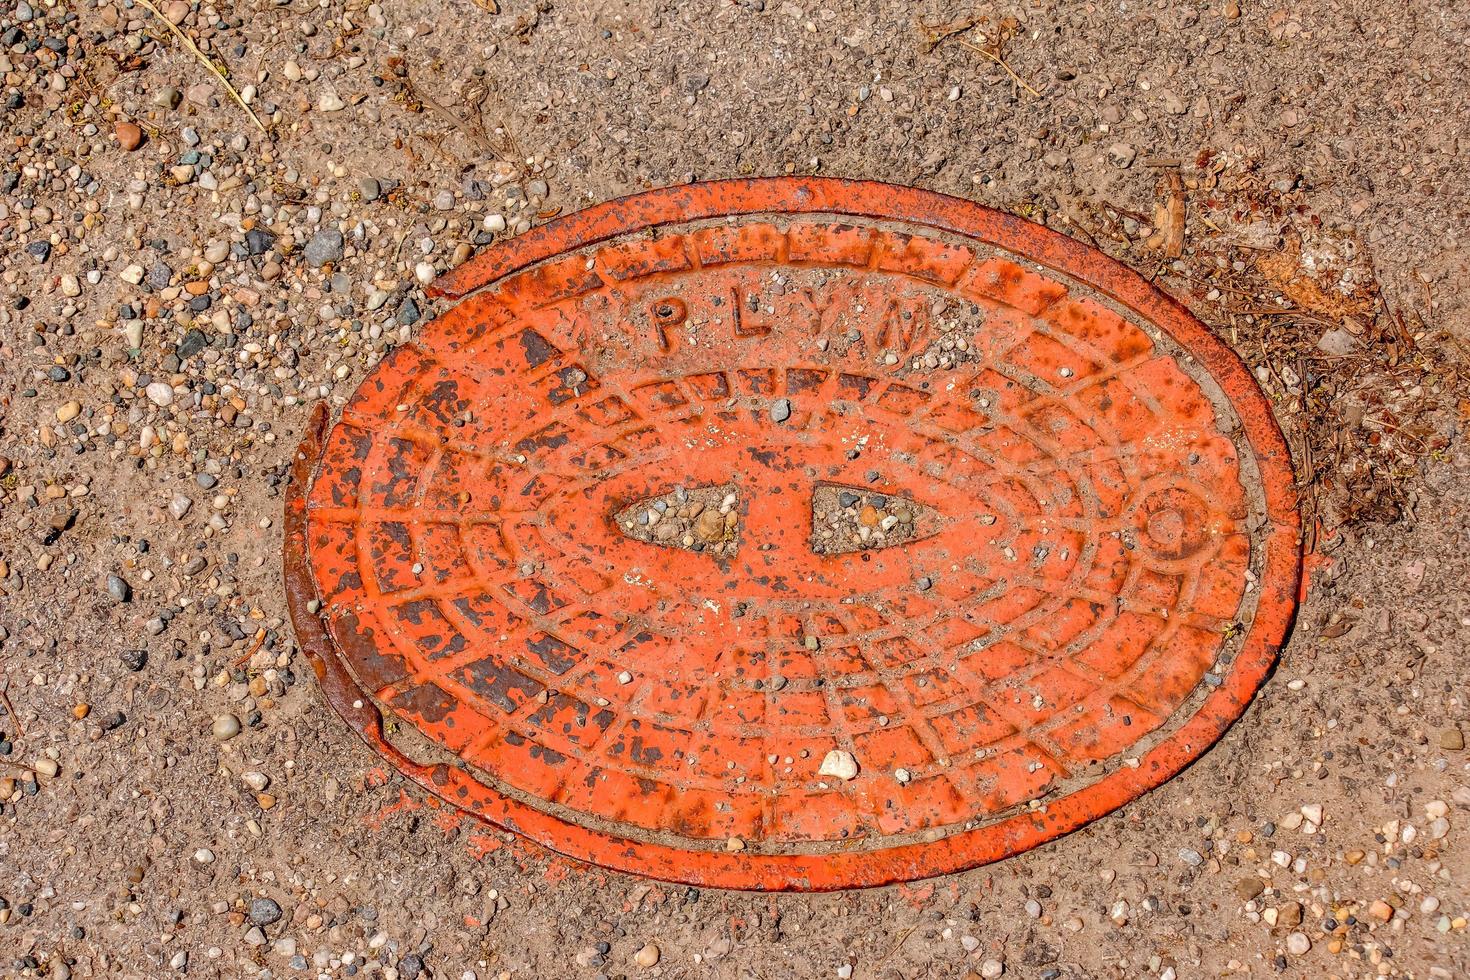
795, 534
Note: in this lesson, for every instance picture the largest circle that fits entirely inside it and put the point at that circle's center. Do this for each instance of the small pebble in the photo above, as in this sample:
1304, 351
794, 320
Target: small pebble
129, 136
226, 727
839, 764
325, 246
264, 911
119, 589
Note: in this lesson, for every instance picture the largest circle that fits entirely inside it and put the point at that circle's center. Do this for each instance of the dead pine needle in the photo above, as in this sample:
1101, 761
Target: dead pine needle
10, 708
204, 60
1000, 61
245, 657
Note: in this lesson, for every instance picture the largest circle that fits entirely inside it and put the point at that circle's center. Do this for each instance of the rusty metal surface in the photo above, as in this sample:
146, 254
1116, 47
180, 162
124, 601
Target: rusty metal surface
795, 534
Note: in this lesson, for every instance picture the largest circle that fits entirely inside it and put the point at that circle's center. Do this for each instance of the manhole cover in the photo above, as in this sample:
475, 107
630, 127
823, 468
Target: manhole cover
795, 533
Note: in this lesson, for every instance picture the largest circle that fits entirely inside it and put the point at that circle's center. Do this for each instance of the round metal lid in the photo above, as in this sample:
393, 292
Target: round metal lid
795, 534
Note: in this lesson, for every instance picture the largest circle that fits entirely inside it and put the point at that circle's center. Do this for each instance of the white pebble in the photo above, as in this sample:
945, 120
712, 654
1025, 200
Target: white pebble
160, 393
839, 764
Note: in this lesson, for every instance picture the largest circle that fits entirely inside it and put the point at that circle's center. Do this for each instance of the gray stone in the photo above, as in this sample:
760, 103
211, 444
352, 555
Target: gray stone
194, 341
264, 911
119, 589
258, 241
1337, 342
325, 246
1123, 154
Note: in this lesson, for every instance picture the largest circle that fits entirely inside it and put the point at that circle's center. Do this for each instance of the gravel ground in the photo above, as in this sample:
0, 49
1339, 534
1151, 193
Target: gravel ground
183, 278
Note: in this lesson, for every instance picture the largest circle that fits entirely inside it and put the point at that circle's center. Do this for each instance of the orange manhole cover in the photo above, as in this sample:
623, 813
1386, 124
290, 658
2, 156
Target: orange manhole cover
795, 533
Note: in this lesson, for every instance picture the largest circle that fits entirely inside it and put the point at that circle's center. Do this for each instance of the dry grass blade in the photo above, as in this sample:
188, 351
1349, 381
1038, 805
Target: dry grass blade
993, 47
204, 60
415, 99
937, 34
1000, 61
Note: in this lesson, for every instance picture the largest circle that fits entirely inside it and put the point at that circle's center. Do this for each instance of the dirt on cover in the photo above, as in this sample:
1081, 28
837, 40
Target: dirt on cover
212, 217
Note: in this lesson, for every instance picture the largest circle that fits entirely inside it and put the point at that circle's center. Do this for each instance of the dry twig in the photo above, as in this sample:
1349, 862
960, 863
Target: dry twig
1174, 217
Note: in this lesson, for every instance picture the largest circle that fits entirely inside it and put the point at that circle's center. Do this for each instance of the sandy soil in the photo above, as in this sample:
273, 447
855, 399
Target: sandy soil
170, 313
